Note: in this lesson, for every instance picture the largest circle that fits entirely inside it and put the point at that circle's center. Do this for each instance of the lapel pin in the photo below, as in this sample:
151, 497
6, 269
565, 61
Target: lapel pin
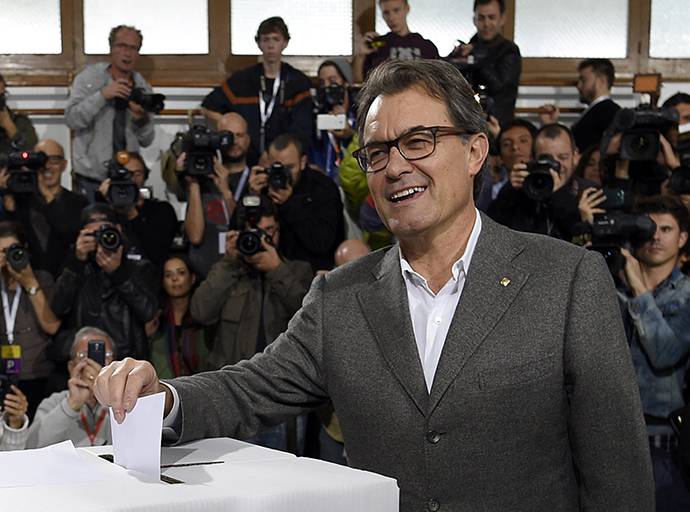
505, 281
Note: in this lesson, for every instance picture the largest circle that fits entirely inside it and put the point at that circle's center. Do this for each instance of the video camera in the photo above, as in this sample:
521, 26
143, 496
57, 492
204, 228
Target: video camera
201, 145
329, 97
641, 127
23, 166
538, 185
17, 256
278, 176
122, 191
610, 232
249, 239
680, 178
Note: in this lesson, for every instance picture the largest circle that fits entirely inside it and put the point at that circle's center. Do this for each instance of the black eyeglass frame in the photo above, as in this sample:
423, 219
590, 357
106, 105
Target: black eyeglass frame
362, 159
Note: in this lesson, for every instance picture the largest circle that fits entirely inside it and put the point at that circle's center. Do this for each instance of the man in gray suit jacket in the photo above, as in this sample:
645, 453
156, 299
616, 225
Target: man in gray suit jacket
482, 368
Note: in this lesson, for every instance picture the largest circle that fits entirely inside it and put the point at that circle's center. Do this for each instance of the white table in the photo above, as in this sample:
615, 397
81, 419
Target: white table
251, 479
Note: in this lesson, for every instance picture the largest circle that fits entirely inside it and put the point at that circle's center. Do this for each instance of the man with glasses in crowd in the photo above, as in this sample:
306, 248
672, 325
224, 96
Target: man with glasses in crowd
429, 349
50, 215
99, 111
74, 414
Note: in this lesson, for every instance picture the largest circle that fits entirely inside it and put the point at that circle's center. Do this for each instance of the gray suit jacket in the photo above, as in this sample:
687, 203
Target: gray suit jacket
534, 405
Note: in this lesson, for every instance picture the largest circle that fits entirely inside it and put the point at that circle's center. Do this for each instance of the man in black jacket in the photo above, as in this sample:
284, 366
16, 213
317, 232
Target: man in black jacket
491, 60
101, 288
50, 215
309, 207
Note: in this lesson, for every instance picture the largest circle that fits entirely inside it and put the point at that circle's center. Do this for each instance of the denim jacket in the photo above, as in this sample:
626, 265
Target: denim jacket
660, 344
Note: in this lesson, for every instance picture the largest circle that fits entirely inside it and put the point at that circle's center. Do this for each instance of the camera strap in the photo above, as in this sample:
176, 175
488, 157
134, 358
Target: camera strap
241, 184
265, 110
10, 313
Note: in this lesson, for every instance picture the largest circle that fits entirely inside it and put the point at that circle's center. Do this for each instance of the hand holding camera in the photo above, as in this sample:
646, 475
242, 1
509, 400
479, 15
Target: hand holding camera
117, 89
14, 403
80, 383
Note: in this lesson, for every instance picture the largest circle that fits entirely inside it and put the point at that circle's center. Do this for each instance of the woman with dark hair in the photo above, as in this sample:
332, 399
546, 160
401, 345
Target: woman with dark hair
179, 345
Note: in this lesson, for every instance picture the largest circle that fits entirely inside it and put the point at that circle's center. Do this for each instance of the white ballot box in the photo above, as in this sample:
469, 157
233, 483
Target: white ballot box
214, 474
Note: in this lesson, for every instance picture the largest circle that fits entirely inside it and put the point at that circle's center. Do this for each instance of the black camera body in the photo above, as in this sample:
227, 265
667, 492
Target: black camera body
201, 145
610, 232
539, 183
278, 176
23, 167
148, 101
329, 97
641, 129
122, 190
108, 237
249, 241
17, 256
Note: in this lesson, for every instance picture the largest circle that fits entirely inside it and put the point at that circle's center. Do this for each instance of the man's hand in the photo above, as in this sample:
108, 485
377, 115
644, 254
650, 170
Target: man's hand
138, 113
632, 275
220, 176
16, 406
549, 113
517, 175
667, 156
122, 382
231, 253
591, 198
109, 261
266, 260
364, 48
281, 195
25, 276
346, 132
257, 180
494, 127
558, 180
7, 124
80, 384
86, 244
117, 89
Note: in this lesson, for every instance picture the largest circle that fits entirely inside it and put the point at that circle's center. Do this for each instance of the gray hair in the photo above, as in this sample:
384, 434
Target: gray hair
115, 30
90, 331
442, 81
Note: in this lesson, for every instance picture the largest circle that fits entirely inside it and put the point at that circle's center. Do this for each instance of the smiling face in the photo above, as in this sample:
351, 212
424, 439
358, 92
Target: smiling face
664, 247
431, 197
124, 52
56, 164
489, 20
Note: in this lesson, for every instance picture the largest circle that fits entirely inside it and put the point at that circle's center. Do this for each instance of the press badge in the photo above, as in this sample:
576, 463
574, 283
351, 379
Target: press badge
11, 358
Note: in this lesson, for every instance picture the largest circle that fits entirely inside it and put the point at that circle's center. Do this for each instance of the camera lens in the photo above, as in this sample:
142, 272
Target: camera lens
110, 238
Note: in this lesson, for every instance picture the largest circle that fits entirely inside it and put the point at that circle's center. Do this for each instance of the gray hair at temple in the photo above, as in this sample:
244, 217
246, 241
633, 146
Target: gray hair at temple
90, 331
442, 81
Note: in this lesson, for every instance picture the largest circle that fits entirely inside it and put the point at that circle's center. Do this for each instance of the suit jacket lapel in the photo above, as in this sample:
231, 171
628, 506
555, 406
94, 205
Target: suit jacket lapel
493, 282
386, 309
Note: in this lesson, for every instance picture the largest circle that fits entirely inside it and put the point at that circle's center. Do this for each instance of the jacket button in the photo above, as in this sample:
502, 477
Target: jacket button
433, 437
432, 505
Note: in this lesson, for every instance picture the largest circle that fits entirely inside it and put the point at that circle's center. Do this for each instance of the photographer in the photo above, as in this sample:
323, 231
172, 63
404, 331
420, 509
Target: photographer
334, 98
100, 288
212, 198
28, 321
544, 200
656, 315
102, 114
149, 224
309, 207
14, 128
50, 213
251, 297
491, 60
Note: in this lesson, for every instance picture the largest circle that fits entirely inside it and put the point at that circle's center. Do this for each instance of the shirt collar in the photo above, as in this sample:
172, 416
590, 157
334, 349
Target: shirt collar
460, 266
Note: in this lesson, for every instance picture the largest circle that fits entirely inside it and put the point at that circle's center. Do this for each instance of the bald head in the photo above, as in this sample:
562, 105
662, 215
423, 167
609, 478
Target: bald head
235, 123
54, 167
49, 147
350, 250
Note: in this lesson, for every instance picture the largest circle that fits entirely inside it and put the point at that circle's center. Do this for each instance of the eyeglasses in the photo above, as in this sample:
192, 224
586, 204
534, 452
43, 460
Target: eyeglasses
414, 145
55, 159
125, 46
80, 356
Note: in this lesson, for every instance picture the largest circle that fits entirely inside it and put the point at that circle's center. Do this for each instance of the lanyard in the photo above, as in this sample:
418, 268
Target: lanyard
240, 185
10, 314
267, 111
92, 437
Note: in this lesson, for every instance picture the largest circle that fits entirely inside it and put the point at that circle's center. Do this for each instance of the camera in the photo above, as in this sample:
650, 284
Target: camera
611, 231
641, 129
329, 97
17, 256
379, 42
122, 190
539, 183
201, 145
22, 167
249, 241
278, 176
148, 101
108, 237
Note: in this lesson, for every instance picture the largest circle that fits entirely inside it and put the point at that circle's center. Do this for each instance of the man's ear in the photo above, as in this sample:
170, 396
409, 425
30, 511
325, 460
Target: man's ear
193, 279
682, 239
479, 152
303, 162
